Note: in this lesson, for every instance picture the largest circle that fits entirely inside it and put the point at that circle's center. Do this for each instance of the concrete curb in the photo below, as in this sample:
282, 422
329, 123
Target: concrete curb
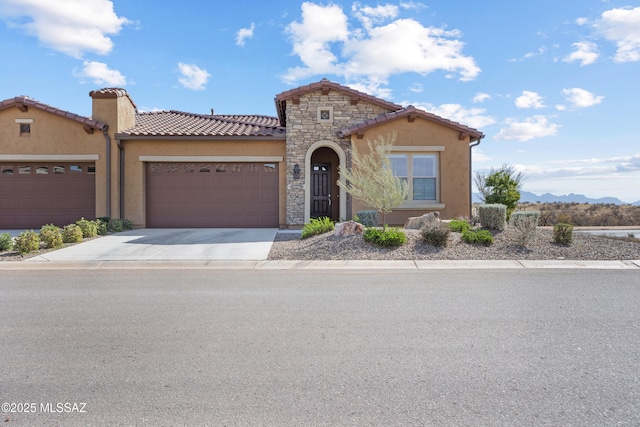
320, 265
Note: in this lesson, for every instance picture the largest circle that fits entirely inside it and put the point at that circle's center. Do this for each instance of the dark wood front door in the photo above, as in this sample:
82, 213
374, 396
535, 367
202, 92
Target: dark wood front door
320, 190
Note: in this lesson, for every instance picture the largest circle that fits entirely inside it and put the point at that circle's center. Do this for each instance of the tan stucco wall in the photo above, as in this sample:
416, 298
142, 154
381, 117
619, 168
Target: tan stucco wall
454, 164
135, 197
52, 134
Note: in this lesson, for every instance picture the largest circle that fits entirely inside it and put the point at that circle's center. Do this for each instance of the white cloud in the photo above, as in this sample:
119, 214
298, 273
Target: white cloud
622, 26
244, 33
472, 117
530, 128
193, 77
325, 44
71, 26
481, 97
582, 21
416, 88
100, 74
581, 98
529, 99
479, 156
586, 53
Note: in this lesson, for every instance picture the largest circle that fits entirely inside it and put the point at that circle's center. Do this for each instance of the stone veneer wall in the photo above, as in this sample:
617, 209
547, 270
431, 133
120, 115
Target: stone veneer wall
303, 130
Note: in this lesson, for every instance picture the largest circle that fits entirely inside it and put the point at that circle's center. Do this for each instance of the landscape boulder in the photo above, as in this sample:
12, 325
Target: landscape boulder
418, 222
348, 228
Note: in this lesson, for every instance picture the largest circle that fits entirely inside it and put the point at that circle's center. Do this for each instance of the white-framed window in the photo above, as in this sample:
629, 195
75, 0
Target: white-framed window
421, 173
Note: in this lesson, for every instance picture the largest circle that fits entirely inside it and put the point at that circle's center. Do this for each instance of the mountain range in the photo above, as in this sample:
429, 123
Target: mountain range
526, 196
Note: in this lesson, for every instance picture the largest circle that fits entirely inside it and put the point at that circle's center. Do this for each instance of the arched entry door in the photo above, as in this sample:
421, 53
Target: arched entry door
324, 191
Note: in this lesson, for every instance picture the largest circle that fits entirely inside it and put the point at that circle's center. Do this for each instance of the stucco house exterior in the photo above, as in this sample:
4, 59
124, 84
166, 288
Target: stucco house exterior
178, 169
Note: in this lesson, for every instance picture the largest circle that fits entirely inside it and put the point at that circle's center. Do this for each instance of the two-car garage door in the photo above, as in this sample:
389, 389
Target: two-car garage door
184, 194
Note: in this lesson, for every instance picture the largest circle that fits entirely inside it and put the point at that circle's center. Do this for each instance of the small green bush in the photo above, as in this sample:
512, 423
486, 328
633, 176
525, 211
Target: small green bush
368, 218
436, 234
483, 237
388, 237
101, 226
27, 241
317, 226
6, 242
563, 233
493, 216
51, 236
459, 225
89, 228
117, 225
72, 233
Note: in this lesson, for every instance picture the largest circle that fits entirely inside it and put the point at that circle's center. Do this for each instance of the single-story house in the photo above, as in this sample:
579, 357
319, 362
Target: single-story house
178, 169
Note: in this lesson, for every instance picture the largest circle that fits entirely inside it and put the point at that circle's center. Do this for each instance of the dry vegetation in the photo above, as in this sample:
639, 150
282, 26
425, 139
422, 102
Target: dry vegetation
584, 214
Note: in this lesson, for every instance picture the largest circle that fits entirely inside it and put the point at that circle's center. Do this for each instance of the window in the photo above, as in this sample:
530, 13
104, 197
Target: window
25, 129
325, 114
420, 172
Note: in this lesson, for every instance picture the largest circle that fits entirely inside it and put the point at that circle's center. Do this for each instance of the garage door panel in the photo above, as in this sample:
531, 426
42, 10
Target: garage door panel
62, 195
212, 195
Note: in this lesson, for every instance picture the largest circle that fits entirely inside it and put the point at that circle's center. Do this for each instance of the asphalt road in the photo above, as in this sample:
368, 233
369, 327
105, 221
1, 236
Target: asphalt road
403, 347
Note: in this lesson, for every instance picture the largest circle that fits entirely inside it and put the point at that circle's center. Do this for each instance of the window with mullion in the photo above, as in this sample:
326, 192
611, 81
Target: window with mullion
420, 172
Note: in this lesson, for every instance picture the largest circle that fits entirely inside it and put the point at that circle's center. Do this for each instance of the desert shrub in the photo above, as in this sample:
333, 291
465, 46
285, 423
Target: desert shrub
117, 225
525, 224
483, 237
101, 226
493, 216
563, 233
388, 237
51, 236
436, 234
317, 226
89, 228
6, 242
72, 233
459, 225
27, 241
368, 218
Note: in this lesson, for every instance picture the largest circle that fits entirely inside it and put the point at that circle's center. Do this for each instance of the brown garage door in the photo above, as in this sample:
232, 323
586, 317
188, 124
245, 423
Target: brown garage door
34, 194
212, 195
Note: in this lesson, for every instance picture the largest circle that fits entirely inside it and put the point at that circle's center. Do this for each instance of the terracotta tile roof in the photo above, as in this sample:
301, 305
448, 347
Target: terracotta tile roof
326, 84
411, 112
23, 102
110, 92
178, 123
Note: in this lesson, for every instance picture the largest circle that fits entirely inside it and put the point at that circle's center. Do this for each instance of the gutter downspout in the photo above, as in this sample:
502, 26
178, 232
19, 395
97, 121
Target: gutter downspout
107, 137
121, 171
471, 145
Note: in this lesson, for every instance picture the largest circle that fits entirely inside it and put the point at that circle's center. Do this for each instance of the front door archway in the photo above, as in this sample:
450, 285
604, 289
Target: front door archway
334, 155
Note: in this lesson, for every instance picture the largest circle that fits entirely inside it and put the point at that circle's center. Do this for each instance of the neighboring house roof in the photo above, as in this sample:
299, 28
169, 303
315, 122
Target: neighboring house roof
325, 85
411, 113
110, 93
178, 123
24, 103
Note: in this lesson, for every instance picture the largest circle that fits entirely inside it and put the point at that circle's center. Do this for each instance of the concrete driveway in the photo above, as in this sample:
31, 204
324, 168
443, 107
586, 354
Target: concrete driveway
216, 244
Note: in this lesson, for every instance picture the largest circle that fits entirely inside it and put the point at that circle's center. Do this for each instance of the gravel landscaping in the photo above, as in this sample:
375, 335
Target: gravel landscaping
326, 246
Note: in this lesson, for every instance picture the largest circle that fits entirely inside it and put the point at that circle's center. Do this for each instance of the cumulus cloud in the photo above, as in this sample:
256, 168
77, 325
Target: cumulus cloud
473, 117
581, 98
481, 97
585, 52
192, 76
101, 74
530, 128
478, 155
383, 46
622, 27
71, 26
244, 34
529, 99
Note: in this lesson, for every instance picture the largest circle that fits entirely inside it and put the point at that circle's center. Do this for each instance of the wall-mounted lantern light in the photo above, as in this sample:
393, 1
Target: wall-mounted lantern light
296, 171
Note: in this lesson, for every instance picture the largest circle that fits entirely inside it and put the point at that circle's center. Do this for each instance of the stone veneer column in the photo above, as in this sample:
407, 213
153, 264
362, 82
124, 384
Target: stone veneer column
303, 130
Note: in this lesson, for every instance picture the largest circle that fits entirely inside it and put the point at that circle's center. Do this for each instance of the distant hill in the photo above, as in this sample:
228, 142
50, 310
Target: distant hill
526, 196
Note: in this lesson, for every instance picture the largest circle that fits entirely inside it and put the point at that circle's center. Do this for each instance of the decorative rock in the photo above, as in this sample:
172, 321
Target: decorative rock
418, 222
348, 228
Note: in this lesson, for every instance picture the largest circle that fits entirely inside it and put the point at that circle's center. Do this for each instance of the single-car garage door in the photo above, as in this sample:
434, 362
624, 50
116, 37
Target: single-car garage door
34, 194
212, 195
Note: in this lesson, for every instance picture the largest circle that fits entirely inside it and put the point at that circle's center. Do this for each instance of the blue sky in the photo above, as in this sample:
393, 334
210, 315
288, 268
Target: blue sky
553, 84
